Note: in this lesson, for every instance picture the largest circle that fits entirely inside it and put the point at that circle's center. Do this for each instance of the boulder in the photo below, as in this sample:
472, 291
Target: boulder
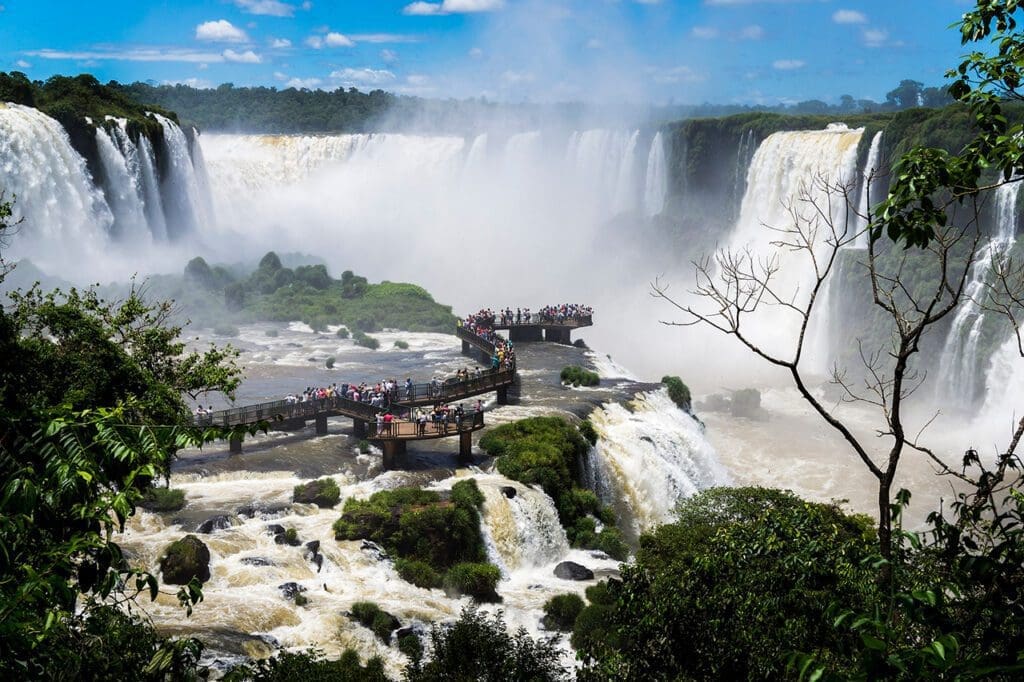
291, 590
288, 537
323, 493
375, 549
313, 547
185, 559
256, 561
219, 522
275, 529
570, 570
508, 491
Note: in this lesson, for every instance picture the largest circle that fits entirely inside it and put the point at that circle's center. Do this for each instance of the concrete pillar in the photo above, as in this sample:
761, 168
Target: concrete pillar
557, 335
503, 395
235, 444
359, 428
465, 445
465, 347
321, 425
393, 449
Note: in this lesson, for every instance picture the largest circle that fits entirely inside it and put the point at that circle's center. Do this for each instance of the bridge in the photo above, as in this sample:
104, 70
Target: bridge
393, 437
537, 328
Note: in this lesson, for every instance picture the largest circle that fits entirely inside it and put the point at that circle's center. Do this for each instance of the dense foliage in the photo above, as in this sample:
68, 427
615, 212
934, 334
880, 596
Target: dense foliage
740, 580
323, 492
371, 616
549, 451
479, 648
678, 392
561, 611
575, 375
310, 666
437, 542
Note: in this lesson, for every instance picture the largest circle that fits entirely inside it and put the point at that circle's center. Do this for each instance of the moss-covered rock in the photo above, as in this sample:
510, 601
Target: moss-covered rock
370, 615
574, 375
184, 560
678, 392
323, 493
478, 580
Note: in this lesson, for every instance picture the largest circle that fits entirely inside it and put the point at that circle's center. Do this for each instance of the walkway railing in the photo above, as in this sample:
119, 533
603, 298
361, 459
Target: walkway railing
537, 321
412, 430
475, 339
284, 409
453, 389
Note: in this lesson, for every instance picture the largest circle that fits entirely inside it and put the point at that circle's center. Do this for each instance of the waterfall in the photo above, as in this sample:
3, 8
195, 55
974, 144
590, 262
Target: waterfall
867, 184
650, 457
66, 216
656, 180
625, 185
180, 187
960, 366
122, 185
785, 165
523, 531
205, 197
151, 190
476, 158
744, 158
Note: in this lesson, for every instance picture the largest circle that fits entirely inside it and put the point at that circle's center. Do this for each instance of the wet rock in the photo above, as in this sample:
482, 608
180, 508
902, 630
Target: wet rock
275, 529
375, 549
318, 559
414, 630
570, 570
508, 491
185, 559
324, 493
288, 537
219, 522
256, 561
291, 590
313, 547
292, 344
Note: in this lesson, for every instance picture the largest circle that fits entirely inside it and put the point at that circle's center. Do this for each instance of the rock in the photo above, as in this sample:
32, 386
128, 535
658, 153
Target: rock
256, 561
508, 491
323, 493
219, 522
275, 529
570, 570
414, 630
288, 537
313, 546
318, 559
291, 590
185, 559
375, 549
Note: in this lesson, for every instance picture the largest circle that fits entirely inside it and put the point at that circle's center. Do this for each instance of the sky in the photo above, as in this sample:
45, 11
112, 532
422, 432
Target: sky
636, 51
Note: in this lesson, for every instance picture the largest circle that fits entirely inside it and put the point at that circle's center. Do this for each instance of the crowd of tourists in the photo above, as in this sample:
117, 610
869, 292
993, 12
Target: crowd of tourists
565, 311
481, 324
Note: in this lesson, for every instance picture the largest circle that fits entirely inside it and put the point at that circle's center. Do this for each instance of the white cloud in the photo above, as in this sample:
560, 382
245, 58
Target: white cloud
417, 79
334, 39
875, 37
197, 83
220, 31
516, 77
247, 57
676, 74
787, 64
307, 5
476, 53
272, 8
21, 63
752, 32
280, 43
315, 42
137, 54
849, 16
280, 75
388, 56
383, 38
421, 8
704, 32
304, 83
203, 67
363, 76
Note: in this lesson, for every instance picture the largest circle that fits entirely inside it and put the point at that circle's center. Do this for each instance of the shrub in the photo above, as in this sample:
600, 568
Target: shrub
371, 616
291, 536
560, 611
478, 580
330, 362
364, 447
466, 492
323, 493
588, 432
310, 665
678, 392
365, 341
225, 329
162, 499
402, 345
411, 646
301, 599
342, 333
418, 573
578, 376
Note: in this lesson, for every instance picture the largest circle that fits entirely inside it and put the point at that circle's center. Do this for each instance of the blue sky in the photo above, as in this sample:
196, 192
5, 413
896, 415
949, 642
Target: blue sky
683, 51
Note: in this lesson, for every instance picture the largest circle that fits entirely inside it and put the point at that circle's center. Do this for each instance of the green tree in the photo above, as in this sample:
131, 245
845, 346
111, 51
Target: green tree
906, 95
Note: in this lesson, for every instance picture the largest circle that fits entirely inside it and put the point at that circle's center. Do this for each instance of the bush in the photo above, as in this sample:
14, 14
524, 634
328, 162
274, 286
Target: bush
371, 616
402, 345
411, 646
365, 341
418, 573
588, 432
560, 611
225, 330
323, 493
478, 580
342, 333
310, 665
291, 536
364, 447
466, 492
330, 362
578, 376
162, 499
678, 392
480, 647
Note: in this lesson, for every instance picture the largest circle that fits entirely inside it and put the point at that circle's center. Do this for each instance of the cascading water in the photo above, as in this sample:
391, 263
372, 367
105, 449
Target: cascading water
650, 457
867, 195
656, 179
151, 190
960, 366
65, 214
121, 182
625, 186
523, 530
180, 187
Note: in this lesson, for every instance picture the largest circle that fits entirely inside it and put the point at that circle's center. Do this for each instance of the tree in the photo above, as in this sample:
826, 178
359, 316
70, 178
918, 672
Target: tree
906, 95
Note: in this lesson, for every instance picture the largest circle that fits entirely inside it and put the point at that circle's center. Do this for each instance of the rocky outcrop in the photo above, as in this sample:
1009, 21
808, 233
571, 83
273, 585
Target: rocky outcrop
185, 559
570, 570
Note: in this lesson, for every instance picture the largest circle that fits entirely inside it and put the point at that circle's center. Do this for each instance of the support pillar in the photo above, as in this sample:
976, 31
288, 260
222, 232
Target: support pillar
393, 449
557, 335
235, 445
503, 395
321, 425
359, 428
465, 347
465, 446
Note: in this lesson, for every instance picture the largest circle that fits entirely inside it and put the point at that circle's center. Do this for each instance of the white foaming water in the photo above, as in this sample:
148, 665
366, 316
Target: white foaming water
656, 185
785, 165
151, 190
120, 166
180, 188
867, 195
523, 531
1004, 390
960, 367
66, 216
650, 457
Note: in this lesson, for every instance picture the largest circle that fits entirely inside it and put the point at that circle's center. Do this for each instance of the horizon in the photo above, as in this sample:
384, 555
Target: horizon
644, 52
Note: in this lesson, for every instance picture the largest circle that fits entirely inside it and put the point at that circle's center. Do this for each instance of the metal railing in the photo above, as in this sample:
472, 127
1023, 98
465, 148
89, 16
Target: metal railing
454, 389
285, 409
536, 320
411, 430
475, 339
